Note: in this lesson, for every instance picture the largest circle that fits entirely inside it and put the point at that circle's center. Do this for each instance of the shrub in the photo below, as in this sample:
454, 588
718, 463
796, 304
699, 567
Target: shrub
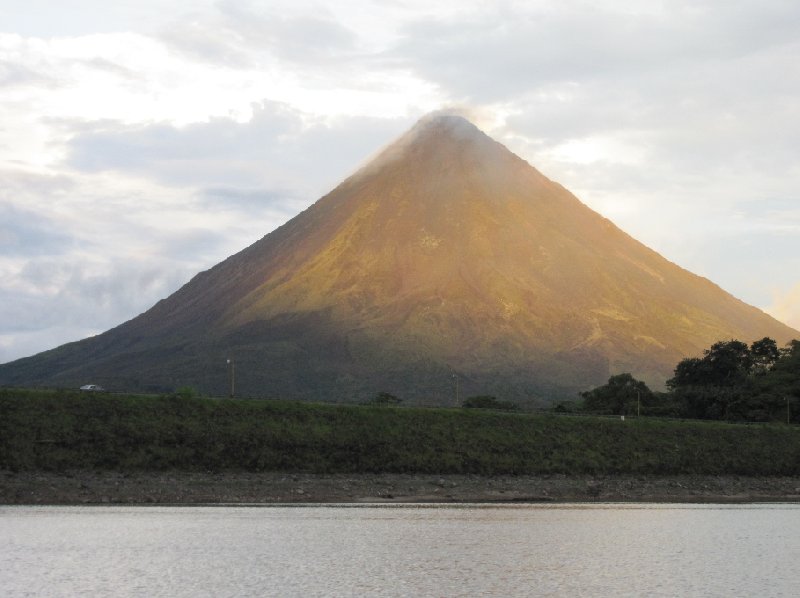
489, 402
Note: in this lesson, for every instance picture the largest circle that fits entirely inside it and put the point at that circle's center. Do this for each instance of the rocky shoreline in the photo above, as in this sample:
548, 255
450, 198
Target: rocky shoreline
90, 487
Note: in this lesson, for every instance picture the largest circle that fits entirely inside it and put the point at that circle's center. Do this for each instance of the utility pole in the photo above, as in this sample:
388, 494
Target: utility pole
231, 375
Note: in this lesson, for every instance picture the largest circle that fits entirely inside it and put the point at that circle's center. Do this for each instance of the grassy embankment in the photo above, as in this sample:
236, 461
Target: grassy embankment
58, 431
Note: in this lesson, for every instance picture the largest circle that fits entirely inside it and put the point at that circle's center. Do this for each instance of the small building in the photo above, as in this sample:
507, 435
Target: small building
93, 387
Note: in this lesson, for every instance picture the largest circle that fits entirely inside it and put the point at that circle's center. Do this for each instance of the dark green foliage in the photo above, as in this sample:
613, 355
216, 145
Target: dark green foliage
726, 363
731, 382
735, 382
62, 431
711, 402
489, 402
784, 377
622, 395
729, 363
764, 354
689, 372
186, 392
385, 399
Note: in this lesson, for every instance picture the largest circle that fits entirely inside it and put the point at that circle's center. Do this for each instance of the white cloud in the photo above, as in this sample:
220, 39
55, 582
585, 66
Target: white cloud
786, 306
50, 301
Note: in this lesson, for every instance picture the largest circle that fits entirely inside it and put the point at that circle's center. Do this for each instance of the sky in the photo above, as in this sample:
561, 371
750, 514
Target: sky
142, 142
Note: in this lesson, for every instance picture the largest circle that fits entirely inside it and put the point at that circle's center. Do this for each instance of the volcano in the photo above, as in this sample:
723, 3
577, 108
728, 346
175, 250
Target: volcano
446, 265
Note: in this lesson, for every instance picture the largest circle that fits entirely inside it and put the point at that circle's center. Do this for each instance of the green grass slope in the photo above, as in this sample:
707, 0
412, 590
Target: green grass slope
59, 431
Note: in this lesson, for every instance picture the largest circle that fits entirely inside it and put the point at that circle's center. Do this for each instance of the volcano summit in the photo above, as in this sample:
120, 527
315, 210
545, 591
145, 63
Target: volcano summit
447, 258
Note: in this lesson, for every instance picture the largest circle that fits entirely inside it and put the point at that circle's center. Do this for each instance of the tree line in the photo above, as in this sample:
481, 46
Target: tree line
732, 381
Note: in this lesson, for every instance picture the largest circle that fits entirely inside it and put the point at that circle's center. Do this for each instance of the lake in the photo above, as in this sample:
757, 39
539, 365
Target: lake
402, 550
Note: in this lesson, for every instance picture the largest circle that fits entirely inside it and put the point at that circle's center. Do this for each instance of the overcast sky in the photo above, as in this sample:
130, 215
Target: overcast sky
143, 141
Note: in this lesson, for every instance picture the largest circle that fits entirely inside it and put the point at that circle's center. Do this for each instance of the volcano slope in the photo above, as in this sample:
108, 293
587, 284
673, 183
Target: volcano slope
447, 260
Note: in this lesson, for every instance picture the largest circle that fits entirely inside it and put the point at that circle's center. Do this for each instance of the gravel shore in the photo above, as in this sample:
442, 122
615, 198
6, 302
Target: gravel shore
89, 487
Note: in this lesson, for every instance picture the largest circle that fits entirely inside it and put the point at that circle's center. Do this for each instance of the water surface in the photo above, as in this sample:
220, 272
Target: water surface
406, 550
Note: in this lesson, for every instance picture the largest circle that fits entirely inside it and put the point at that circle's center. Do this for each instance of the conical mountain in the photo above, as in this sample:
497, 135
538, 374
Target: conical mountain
446, 259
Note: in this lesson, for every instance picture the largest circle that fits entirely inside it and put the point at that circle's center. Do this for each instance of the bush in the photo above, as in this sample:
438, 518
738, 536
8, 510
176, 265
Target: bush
489, 402
623, 394
385, 399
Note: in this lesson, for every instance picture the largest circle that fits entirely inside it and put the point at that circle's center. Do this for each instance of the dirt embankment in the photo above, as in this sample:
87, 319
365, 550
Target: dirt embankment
85, 487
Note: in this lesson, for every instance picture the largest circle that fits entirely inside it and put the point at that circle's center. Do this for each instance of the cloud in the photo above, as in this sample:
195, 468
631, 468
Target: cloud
786, 306
494, 53
15, 182
80, 253
29, 342
277, 148
13, 75
241, 35
251, 200
52, 301
698, 91
203, 41
24, 232
309, 37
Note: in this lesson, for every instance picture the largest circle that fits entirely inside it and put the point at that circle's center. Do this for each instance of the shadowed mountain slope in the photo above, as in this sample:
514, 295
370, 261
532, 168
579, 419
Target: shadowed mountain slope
446, 255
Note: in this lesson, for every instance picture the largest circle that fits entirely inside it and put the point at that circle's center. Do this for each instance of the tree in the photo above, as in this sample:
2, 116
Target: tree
784, 377
764, 355
623, 394
688, 372
729, 363
709, 402
725, 363
735, 382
